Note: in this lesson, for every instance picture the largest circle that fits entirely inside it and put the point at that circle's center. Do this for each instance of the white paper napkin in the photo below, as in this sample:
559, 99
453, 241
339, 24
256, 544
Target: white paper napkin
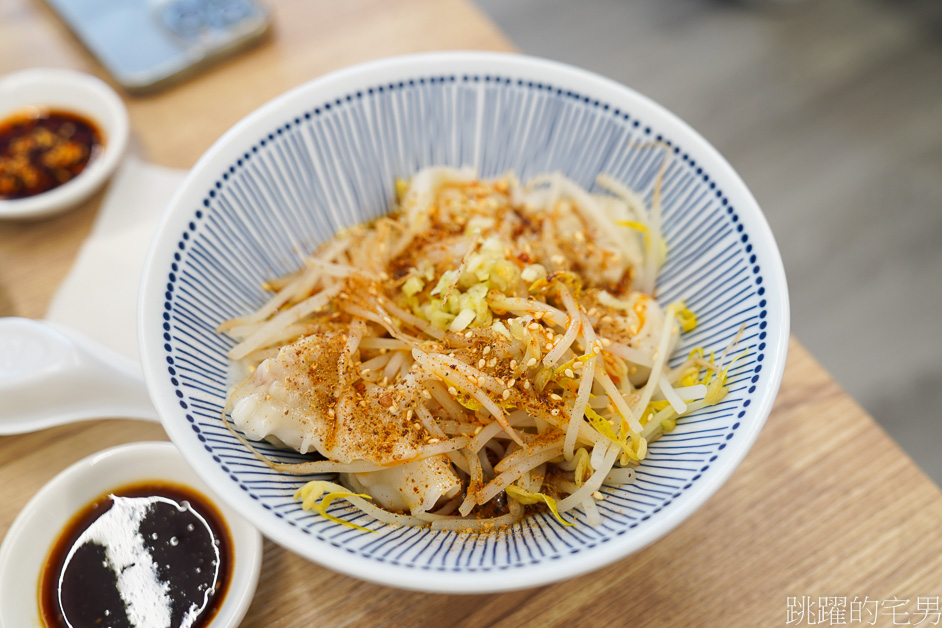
99, 295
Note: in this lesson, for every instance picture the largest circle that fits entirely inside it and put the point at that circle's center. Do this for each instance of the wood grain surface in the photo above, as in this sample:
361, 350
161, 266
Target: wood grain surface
824, 504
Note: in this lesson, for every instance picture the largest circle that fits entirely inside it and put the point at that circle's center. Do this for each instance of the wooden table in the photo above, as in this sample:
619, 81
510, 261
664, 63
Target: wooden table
825, 504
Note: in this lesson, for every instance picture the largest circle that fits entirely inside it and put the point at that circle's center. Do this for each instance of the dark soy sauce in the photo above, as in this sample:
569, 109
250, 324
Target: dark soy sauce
42, 149
152, 552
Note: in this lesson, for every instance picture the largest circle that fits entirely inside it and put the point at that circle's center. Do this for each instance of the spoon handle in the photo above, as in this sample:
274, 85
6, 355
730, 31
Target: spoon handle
50, 375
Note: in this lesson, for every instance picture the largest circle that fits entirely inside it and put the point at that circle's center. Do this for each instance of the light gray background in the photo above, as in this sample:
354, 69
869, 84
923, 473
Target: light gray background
831, 111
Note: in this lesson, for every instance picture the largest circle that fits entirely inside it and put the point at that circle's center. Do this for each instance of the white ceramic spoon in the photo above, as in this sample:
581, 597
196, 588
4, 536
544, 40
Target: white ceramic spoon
50, 375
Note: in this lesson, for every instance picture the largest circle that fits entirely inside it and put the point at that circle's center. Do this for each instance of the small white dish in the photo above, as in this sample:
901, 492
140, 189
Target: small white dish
27, 544
78, 93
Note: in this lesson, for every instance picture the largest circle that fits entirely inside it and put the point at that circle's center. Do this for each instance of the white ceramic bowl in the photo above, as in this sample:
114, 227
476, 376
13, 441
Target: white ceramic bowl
325, 156
78, 93
36, 528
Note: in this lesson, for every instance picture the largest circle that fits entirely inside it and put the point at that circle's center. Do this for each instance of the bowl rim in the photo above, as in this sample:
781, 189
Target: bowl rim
72, 87
262, 121
83, 481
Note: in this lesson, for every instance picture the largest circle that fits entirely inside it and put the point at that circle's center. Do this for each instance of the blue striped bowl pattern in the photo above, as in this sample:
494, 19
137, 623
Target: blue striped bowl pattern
324, 157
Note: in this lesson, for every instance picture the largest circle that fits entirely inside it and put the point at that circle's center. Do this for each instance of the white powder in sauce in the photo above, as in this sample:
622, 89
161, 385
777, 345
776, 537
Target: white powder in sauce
146, 598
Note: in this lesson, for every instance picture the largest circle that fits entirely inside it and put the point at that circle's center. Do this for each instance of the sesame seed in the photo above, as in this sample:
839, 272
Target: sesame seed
394, 408
469, 334
452, 391
596, 349
555, 411
409, 415
579, 365
548, 346
526, 384
506, 393
481, 363
569, 373
426, 394
432, 441
365, 372
487, 350
492, 362
417, 426
531, 362
477, 430
606, 342
539, 315
555, 397
513, 364
533, 326
388, 320
598, 496
511, 383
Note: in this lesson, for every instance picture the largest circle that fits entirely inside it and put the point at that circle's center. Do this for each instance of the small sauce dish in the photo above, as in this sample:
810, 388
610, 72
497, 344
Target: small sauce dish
70, 98
28, 545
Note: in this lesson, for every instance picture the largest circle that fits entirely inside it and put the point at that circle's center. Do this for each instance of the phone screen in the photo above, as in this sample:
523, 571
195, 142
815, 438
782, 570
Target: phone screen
143, 43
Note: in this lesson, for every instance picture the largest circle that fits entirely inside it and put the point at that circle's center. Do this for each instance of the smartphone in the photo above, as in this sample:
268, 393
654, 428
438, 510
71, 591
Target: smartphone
148, 44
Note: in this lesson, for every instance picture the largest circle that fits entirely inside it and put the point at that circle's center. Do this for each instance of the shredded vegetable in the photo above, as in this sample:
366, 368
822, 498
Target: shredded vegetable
314, 497
490, 347
526, 497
